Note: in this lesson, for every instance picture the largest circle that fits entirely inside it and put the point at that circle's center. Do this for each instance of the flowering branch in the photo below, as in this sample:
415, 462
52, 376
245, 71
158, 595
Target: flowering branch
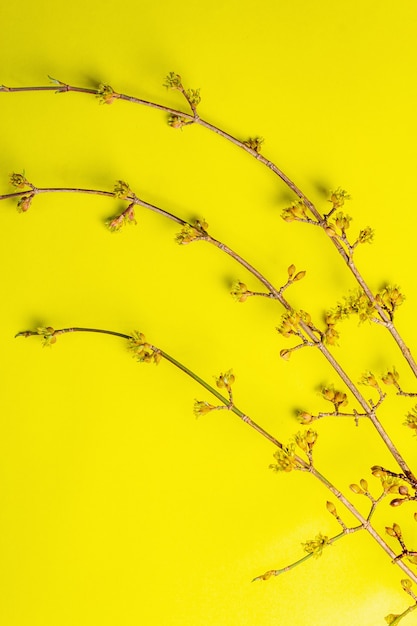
335, 230
299, 324
286, 457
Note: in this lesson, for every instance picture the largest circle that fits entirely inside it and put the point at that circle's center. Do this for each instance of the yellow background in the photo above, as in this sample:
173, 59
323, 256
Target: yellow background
117, 506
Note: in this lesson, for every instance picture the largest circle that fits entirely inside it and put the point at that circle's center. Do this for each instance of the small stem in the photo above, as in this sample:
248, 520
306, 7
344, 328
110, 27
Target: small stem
287, 568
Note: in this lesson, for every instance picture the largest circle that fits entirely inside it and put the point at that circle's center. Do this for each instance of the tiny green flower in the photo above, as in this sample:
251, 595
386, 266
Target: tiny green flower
366, 235
143, 351
173, 81
285, 459
315, 546
192, 232
254, 143
226, 380
202, 408
106, 94
48, 335
338, 197
240, 292
19, 181
121, 190
193, 97
177, 121
296, 211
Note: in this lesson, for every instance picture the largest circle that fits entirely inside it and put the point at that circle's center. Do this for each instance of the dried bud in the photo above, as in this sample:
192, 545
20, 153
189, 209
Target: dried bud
397, 502
24, 202
355, 488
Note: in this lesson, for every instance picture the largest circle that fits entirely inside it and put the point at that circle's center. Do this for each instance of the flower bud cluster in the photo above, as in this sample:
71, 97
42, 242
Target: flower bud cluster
391, 378
338, 197
297, 211
294, 276
290, 322
106, 94
366, 235
144, 352
19, 181
390, 298
411, 419
306, 439
121, 190
286, 459
193, 97
341, 221
192, 232
48, 335
173, 81
369, 379
337, 398
226, 380
315, 546
177, 121
240, 292
356, 303
127, 216
392, 485
360, 489
202, 408
254, 143
394, 531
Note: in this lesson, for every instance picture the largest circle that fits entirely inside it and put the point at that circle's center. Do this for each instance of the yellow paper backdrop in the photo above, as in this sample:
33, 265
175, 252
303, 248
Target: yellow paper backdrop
117, 506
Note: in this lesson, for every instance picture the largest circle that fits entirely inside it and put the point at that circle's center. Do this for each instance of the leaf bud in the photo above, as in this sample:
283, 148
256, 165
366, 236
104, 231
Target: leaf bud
291, 270
331, 508
406, 584
378, 471
299, 275
363, 483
